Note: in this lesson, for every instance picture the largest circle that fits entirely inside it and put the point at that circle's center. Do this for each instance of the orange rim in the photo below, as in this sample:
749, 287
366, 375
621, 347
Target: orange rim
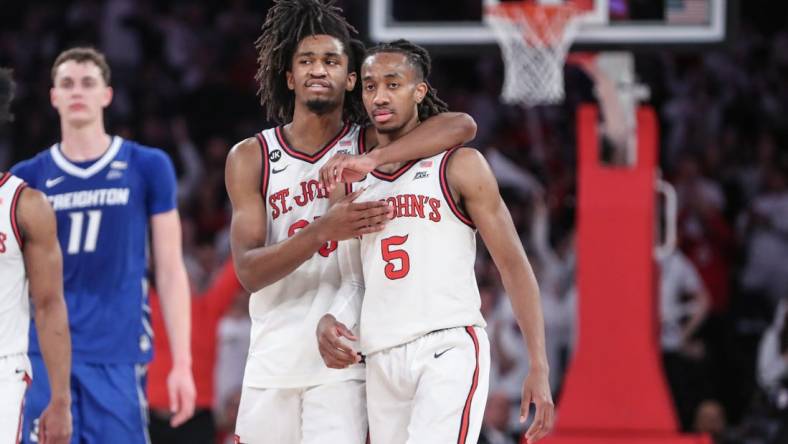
546, 23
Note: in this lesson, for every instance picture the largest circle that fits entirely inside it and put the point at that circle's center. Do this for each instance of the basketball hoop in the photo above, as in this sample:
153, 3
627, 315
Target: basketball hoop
534, 40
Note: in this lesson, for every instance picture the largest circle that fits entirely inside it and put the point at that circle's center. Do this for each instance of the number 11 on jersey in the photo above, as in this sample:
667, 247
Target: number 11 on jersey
75, 235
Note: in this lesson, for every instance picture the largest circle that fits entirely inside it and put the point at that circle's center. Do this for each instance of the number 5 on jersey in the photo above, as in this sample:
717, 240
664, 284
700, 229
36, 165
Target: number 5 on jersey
389, 255
75, 235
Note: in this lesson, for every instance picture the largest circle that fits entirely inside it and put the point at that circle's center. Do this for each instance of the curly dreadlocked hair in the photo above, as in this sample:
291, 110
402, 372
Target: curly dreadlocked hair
7, 87
287, 23
420, 59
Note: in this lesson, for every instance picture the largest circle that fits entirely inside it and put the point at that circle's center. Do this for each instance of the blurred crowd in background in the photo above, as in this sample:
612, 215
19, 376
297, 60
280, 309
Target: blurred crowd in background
183, 81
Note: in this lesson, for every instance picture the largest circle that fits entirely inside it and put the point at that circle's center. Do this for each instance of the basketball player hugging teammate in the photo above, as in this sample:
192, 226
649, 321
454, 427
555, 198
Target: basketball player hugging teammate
283, 234
427, 354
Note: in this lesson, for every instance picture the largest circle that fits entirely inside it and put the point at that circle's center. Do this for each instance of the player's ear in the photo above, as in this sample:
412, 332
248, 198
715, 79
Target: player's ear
53, 97
420, 91
109, 93
351, 81
290, 80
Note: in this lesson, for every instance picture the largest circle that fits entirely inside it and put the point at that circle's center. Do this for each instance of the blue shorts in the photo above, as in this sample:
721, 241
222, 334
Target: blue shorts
107, 403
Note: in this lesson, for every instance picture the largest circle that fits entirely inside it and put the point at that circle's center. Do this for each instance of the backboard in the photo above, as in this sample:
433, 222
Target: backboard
609, 23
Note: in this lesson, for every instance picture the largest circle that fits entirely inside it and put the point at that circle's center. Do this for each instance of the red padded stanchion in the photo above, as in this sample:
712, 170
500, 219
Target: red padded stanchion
615, 391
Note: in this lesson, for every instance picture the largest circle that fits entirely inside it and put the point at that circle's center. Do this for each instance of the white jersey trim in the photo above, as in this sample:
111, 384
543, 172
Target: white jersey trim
454, 206
14, 220
84, 173
296, 153
17, 185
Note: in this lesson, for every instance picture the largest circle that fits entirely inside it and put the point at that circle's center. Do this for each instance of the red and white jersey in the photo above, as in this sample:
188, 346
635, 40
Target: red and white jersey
283, 349
14, 302
419, 271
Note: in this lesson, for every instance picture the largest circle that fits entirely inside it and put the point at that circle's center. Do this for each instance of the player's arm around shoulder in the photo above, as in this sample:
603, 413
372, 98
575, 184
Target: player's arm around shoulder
44, 265
437, 133
461, 124
433, 136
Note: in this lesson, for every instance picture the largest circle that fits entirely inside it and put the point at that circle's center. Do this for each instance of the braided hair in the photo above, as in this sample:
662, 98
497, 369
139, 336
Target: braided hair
287, 23
6, 95
420, 60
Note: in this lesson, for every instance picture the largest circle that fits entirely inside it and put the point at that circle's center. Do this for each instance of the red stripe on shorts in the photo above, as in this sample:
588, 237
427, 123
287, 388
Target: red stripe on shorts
466, 412
18, 439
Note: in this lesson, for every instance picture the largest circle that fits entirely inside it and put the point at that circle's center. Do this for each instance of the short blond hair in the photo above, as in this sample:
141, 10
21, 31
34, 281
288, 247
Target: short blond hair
83, 54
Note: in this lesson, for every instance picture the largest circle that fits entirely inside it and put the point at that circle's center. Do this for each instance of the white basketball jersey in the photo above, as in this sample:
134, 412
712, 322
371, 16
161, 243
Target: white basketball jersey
283, 349
419, 271
14, 303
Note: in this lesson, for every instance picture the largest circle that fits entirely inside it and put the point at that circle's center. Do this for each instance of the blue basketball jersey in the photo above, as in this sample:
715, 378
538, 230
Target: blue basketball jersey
103, 208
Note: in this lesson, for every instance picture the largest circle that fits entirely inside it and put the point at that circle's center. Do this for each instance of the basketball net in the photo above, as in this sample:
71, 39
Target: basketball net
534, 41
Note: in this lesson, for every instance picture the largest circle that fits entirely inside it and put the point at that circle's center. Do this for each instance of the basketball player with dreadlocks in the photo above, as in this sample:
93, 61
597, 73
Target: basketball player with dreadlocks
30, 263
283, 234
427, 354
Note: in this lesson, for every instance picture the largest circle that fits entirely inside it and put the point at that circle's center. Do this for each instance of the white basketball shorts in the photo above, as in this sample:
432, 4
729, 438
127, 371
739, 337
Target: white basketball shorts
14, 379
431, 390
328, 413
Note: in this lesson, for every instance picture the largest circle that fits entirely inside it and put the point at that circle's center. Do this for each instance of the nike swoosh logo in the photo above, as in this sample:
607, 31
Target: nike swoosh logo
275, 171
19, 370
52, 182
438, 355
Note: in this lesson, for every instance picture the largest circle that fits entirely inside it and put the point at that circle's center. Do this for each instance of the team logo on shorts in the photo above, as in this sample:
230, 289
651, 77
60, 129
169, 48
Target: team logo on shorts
275, 155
